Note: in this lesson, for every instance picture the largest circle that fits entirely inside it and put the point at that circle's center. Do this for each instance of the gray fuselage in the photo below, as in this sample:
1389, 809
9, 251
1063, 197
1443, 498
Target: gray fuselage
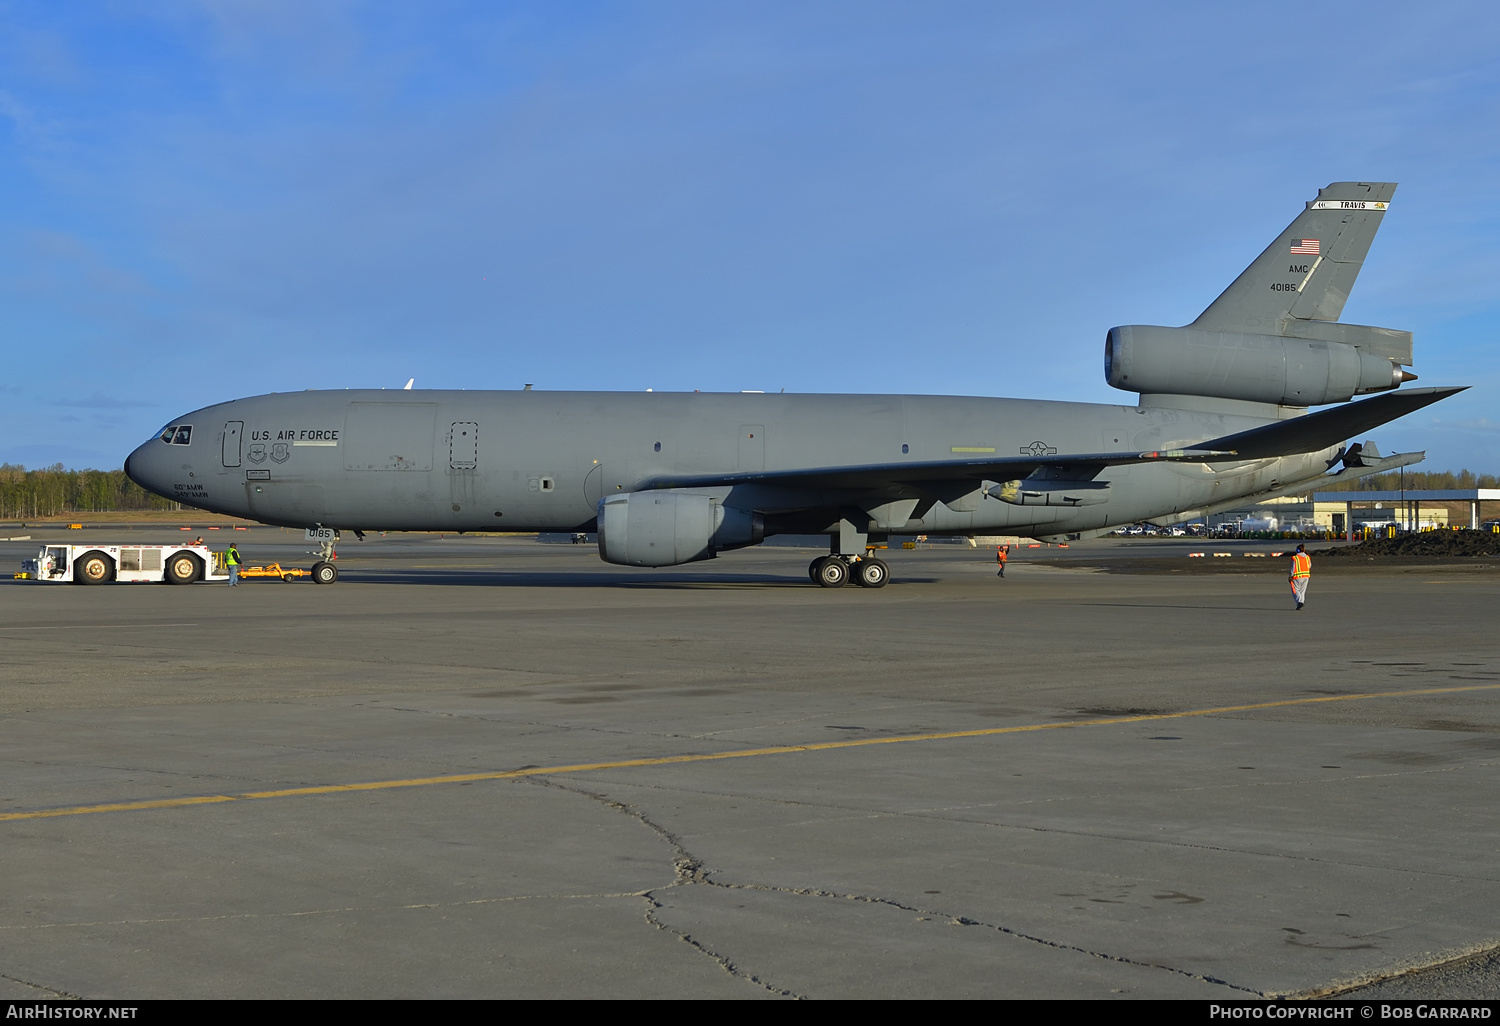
541, 461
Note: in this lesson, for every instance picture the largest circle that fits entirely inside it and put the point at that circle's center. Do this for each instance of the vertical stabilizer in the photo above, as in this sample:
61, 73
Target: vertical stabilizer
1306, 274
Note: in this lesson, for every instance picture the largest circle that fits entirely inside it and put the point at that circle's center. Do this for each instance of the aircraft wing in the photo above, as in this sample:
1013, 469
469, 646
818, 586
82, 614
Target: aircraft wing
935, 472
1308, 433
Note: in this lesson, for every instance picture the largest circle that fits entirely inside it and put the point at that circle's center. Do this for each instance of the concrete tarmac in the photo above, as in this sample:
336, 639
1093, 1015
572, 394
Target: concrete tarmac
488, 767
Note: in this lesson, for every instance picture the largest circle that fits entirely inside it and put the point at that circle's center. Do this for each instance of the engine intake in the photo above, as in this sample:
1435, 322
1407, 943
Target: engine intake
667, 527
1259, 368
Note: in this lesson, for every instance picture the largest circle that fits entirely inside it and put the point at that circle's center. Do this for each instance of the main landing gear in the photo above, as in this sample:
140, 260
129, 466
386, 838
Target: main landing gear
835, 571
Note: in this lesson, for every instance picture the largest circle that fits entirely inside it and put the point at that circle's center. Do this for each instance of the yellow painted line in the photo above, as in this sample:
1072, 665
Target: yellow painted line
97, 626
744, 753
972, 448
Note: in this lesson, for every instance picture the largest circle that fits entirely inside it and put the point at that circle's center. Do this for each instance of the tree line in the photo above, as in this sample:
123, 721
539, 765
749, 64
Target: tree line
49, 491
1417, 480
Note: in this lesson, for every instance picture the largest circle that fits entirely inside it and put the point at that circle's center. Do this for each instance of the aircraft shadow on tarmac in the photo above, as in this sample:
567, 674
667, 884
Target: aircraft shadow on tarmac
585, 579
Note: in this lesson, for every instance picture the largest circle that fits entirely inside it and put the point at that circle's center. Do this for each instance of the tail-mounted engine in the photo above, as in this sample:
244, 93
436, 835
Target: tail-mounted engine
1259, 368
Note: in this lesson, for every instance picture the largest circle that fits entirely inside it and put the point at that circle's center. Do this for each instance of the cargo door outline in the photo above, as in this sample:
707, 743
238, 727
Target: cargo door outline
234, 433
463, 445
463, 463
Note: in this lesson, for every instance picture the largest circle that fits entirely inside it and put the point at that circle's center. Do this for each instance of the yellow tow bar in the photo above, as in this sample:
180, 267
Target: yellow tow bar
274, 570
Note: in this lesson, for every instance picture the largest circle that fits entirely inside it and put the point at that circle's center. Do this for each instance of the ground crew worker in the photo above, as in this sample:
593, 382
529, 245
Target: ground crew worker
1301, 571
232, 558
1002, 553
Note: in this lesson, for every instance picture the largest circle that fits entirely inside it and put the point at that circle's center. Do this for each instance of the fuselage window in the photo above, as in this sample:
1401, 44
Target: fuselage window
184, 435
658, 447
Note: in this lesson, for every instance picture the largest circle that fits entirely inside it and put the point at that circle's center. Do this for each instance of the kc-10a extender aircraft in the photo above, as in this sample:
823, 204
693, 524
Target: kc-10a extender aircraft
668, 478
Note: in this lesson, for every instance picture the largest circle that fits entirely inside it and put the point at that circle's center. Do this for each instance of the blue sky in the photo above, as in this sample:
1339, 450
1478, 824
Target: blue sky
217, 199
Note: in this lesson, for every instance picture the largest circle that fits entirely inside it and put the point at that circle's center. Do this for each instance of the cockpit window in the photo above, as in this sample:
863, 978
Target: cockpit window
184, 435
167, 433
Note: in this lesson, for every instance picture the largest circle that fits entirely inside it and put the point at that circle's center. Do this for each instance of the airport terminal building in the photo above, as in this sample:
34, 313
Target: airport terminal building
1351, 511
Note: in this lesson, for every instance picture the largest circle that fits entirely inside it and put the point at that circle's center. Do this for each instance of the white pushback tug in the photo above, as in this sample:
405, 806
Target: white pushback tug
175, 564
99, 564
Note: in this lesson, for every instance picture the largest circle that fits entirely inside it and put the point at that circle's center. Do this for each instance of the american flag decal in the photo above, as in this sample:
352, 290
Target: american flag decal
1309, 247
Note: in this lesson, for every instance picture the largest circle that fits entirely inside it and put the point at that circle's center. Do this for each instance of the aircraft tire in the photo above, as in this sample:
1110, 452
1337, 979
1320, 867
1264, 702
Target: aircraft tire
834, 573
872, 573
814, 567
183, 569
92, 568
324, 573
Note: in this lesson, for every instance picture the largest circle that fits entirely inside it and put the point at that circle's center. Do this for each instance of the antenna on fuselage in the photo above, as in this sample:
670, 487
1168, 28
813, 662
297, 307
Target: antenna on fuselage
409, 382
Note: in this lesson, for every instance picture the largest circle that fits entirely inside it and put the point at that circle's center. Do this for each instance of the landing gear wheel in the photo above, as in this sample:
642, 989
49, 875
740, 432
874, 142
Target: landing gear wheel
182, 569
814, 567
324, 573
92, 568
871, 573
834, 573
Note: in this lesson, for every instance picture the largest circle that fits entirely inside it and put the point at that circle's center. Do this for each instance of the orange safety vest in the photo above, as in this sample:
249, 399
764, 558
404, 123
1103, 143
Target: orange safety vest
1301, 565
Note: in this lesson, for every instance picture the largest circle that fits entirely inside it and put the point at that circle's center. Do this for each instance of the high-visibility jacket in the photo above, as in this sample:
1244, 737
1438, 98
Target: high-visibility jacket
1301, 565
232, 557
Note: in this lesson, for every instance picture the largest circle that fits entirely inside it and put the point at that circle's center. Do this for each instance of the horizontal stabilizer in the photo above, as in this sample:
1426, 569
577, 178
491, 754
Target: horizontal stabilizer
1327, 428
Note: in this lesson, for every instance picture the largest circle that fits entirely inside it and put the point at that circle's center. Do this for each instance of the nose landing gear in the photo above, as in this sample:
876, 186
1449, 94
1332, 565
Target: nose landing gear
323, 571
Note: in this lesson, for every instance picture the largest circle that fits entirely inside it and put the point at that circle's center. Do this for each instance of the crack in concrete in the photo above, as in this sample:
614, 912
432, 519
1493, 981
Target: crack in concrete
957, 920
688, 870
37, 986
936, 813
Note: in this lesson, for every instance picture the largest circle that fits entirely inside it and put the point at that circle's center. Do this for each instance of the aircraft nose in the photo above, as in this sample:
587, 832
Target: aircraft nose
144, 467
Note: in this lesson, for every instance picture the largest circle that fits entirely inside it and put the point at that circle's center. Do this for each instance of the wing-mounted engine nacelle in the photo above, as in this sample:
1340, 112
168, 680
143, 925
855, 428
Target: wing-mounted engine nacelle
1044, 492
1258, 368
667, 527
